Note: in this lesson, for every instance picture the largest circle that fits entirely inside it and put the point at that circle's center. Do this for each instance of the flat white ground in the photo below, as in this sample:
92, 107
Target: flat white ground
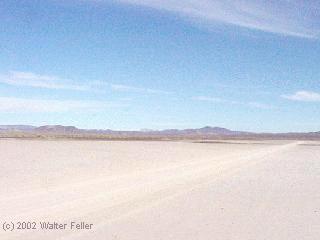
162, 190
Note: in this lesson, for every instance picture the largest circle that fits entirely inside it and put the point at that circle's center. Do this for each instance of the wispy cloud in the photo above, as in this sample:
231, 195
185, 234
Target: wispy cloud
126, 88
29, 79
291, 18
12, 104
304, 96
219, 100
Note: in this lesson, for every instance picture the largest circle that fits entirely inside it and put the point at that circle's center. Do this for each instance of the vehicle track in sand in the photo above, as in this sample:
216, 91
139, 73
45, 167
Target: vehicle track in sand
107, 199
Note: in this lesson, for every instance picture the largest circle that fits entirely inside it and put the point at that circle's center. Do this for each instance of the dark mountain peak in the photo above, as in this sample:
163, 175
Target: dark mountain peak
209, 128
213, 130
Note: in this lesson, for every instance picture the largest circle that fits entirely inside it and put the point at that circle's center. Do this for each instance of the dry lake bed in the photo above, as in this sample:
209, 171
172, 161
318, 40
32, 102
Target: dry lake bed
135, 190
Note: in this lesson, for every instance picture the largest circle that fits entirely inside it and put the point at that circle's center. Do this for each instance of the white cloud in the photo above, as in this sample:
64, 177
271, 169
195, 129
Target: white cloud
12, 104
28, 79
305, 96
290, 18
126, 88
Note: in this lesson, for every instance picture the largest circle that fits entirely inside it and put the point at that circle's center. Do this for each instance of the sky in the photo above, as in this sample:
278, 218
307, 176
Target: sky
248, 65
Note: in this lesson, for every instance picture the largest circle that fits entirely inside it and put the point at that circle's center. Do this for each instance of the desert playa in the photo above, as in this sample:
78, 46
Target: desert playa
134, 190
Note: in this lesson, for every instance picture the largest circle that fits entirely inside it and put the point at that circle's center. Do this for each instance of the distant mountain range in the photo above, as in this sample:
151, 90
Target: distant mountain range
205, 132
72, 130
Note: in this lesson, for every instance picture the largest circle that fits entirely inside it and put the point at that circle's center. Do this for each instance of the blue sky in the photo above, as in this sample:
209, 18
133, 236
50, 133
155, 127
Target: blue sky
132, 64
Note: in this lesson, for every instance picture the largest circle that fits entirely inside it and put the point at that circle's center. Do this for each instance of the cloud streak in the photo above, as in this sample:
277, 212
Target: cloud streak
290, 18
126, 88
12, 105
303, 96
29, 79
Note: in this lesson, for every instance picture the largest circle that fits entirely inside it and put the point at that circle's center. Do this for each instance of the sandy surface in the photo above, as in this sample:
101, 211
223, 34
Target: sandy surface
161, 190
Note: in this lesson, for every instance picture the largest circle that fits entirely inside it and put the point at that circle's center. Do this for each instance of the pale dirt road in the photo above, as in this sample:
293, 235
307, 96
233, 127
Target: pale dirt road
161, 190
